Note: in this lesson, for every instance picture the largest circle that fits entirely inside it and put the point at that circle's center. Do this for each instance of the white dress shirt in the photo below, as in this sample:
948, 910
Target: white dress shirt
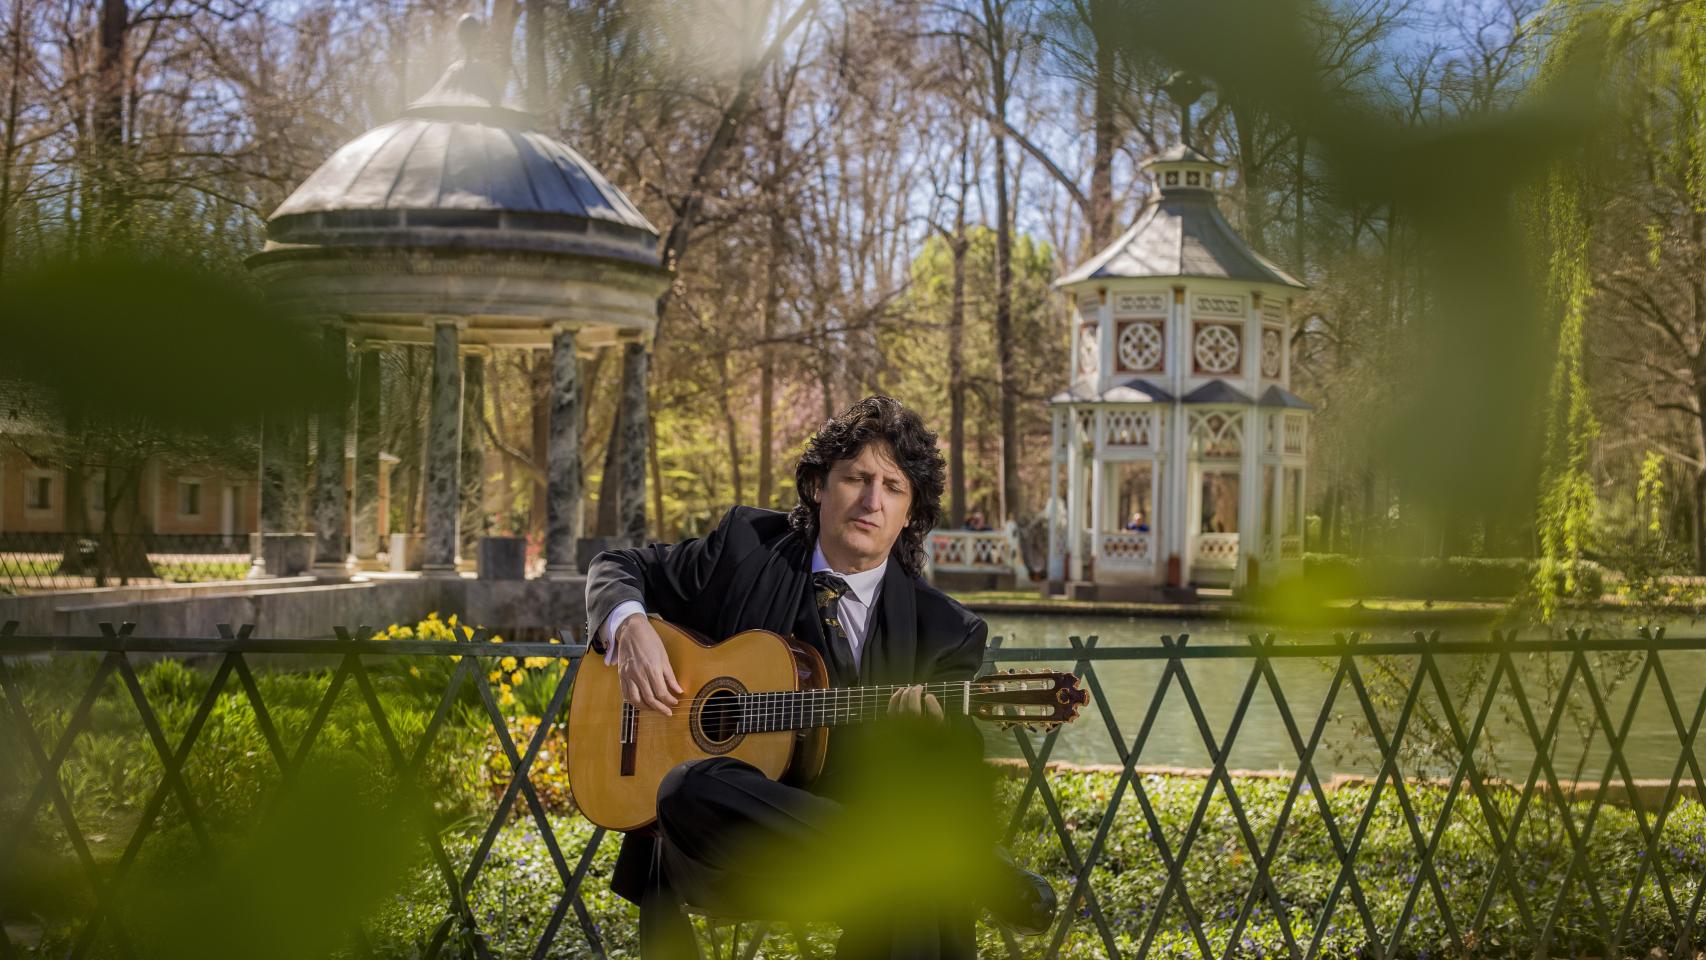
853, 609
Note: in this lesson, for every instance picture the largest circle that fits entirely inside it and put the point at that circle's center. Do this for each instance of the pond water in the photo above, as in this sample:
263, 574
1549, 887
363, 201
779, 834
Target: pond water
1652, 750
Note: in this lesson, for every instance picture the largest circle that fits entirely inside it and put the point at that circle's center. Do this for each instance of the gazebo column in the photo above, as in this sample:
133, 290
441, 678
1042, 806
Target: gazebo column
563, 457
631, 499
329, 492
1180, 524
1074, 496
1250, 499
280, 480
364, 526
444, 449
473, 480
1054, 570
1098, 486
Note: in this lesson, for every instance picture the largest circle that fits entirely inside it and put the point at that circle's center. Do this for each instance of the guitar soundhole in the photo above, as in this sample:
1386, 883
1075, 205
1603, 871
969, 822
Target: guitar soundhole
720, 716
716, 715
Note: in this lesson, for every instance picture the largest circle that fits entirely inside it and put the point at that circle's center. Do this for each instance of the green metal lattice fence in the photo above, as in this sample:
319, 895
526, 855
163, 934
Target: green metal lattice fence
1497, 864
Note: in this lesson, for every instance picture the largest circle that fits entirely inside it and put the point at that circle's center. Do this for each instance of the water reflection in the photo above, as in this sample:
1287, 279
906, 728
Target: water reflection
1580, 750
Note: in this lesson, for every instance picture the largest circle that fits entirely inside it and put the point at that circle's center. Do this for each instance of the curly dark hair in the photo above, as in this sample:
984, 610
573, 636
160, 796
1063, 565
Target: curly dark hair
884, 420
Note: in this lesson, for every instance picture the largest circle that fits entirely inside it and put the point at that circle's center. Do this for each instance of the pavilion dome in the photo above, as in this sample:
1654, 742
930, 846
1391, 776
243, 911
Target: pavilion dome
460, 169
1180, 232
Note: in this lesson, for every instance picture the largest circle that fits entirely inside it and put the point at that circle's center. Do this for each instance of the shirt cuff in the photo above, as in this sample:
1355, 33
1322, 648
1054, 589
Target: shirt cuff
608, 631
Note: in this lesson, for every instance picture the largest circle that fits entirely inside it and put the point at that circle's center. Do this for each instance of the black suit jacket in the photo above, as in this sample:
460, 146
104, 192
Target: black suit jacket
752, 572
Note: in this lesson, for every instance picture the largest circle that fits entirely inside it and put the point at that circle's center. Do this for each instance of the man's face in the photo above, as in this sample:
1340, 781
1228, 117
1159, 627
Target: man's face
862, 508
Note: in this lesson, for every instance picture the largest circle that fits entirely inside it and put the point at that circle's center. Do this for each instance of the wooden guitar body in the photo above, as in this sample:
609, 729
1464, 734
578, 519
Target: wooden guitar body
617, 756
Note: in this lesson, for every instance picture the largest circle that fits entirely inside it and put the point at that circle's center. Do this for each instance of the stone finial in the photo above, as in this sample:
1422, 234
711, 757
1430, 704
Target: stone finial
470, 32
1184, 89
470, 81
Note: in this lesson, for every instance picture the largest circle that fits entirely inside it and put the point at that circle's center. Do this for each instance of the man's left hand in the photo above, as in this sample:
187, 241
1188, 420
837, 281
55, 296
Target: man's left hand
913, 701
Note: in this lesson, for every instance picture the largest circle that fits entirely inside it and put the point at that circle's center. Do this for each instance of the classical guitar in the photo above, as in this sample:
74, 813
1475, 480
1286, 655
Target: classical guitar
762, 698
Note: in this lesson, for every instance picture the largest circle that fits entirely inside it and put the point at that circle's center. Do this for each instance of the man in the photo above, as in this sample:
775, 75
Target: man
841, 573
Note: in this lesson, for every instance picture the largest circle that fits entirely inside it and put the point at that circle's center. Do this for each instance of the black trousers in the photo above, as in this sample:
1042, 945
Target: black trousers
735, 843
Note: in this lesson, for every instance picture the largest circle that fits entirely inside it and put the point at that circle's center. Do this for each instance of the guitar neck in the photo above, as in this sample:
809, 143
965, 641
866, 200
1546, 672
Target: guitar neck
803, 709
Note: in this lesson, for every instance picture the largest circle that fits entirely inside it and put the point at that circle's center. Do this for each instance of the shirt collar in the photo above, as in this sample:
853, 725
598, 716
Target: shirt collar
864, 584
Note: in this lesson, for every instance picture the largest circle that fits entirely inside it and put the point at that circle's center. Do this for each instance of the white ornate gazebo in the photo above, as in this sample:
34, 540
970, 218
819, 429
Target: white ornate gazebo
1178, 450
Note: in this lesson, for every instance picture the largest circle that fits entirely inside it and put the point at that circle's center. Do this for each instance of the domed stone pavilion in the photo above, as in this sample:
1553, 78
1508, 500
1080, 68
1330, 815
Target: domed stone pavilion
461, 225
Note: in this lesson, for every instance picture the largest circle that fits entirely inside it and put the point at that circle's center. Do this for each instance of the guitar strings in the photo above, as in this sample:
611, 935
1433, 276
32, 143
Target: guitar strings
940, 686
800, 708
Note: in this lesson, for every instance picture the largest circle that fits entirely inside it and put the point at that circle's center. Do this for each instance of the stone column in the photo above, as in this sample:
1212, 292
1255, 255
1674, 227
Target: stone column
293, 513
329, 492
443, 449
631, 501
284, 457
274, 463
364, 529
563, 456
472, 521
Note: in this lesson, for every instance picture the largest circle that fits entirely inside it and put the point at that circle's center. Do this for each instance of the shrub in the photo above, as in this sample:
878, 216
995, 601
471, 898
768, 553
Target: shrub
1336, 575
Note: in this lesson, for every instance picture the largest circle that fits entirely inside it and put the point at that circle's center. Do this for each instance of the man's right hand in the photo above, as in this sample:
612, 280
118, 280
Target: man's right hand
642, 665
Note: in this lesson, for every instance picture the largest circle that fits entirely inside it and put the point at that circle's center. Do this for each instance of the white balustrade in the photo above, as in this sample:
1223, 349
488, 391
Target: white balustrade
1127, 549
973, 551
1218, 551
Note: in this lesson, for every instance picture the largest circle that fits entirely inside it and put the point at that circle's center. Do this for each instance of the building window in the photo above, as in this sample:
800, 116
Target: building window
1134, 497
1268, 501
189, 498
38, 492
1293, 501
95, 492
1219, 502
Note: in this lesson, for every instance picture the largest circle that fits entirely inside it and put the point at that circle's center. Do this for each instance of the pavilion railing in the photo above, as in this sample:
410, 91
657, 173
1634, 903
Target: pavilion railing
1493, 864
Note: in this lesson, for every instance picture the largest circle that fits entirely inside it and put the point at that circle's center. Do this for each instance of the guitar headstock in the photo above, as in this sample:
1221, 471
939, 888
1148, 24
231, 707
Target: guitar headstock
1035, 699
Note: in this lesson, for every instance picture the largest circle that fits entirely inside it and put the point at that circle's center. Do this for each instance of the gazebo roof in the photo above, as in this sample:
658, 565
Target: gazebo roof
1217, 391
462, 169
1134, 390
1181, 233
1278, 396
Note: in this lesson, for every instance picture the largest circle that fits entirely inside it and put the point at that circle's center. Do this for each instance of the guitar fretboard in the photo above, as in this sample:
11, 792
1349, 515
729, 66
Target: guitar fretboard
803, 709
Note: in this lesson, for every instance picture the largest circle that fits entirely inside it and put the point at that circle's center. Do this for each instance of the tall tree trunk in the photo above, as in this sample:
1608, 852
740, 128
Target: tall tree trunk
7, 160
1297, 183
1699, 510
732, 425
610, 481
535, 25
687, 209
1106, 132
767, 329
108, 118
957, 380
1012, 502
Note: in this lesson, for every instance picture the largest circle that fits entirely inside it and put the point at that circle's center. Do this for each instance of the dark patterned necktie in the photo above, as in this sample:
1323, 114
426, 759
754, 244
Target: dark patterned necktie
827, 590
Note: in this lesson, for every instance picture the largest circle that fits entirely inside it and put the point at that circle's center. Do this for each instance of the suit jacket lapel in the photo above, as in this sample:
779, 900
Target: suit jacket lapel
767, 589
891, 652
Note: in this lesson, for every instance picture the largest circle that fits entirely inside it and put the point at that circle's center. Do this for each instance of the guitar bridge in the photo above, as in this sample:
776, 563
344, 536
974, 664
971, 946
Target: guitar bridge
630, 738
